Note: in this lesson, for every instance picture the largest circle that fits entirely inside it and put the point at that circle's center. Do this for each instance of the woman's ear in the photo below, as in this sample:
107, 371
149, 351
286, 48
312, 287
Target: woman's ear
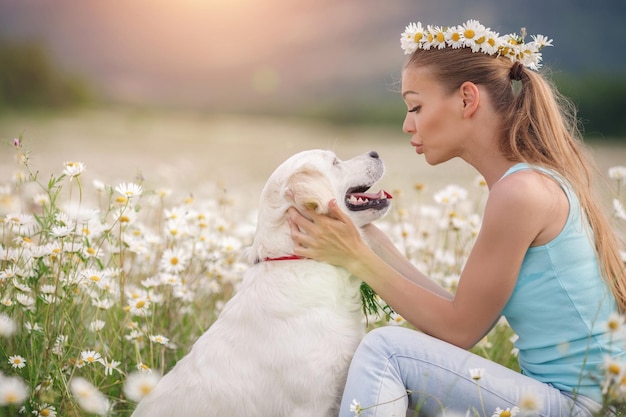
471, 97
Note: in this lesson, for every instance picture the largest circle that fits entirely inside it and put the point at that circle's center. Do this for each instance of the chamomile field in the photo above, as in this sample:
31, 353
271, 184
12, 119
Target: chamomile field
121, 234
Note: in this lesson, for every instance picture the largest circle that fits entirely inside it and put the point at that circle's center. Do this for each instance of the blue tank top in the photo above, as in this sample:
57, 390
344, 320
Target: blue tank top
560, 306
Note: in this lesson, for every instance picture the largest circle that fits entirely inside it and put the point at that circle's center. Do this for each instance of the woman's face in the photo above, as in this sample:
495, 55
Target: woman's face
433, 116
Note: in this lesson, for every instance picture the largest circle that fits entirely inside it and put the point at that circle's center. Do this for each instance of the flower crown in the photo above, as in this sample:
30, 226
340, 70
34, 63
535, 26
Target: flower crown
473, 35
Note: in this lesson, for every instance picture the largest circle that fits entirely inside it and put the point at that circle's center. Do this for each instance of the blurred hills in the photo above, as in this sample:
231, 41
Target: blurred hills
237, 55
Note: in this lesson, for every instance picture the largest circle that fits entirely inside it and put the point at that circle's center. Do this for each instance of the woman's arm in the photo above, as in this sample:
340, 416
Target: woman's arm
517, 211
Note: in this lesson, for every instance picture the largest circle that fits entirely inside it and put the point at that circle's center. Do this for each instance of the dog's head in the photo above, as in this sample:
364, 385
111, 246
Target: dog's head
309, 180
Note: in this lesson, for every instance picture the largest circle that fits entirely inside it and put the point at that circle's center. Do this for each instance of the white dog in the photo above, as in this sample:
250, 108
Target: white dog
282, 345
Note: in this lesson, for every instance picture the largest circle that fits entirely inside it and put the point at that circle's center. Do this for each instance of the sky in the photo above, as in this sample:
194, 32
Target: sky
258, 52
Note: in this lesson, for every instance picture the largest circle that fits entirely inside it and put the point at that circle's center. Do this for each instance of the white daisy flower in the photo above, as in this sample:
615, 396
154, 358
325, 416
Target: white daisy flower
454, 37
505, 412
97, 325
436, 37
477, 373
73, 169
89, 398
17, 361
472, 30
13, 391
45, 410
90, 356
8, 327
139, 384
109, 367
129, 190
615, 322
542, 41
618, 209
355, 407
159, 339
617, 173
26, 300
174, 260
412, 36
139, 306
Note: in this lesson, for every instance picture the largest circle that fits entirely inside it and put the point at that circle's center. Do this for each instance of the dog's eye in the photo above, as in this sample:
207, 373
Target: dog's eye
336, 161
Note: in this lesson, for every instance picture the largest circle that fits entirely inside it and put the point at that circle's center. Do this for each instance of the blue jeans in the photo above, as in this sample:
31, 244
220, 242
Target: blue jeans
391, 360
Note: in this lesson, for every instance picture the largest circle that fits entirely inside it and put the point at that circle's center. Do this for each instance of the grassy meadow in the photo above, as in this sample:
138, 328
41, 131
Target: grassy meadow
121, 233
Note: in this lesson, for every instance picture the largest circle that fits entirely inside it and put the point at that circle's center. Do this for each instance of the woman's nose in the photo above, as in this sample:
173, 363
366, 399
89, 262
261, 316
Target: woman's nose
408, 126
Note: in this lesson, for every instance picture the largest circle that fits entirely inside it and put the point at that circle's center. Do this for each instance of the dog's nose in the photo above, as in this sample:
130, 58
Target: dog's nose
374, 154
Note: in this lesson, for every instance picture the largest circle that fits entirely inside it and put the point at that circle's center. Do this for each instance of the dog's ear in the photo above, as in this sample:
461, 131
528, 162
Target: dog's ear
310, 189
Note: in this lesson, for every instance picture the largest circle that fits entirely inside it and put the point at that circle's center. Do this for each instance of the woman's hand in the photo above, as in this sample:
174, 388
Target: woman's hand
331, 238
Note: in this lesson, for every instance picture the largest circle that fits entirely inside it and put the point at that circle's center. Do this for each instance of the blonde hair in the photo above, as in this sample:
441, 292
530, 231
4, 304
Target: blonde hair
540, 128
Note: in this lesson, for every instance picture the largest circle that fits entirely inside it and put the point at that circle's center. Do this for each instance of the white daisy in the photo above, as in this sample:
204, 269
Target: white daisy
139, 306
139, 384
159, 339
90, 356
45, 410
477, 373
13, 391
17, 361
109, 367
472, 30
129, 190
355, 407
617, 173
454, 37
73, 169
618, 209
412, 36
436, 37
174, 260
505, 412
89, 398
8, 327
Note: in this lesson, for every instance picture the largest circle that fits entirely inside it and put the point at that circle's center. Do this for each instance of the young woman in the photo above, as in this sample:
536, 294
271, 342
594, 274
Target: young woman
545, 258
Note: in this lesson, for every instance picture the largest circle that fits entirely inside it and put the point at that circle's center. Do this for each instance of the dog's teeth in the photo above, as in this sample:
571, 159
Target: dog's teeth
353, 199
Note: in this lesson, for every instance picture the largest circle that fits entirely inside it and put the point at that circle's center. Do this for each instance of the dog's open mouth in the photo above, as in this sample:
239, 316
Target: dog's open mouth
357, 198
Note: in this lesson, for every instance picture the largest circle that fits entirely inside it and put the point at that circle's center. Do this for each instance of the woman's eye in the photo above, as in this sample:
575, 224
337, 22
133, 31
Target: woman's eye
415, 109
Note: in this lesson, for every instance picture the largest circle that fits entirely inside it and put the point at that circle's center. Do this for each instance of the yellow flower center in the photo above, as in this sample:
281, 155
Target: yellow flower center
456, 37
505, 413
121, 199
45, 412
440, 37
469, 34
11, 398
145, 389
124, 219
174, 261
614, 369
613, 325
140, 304
480, 40
418, 37
94, 278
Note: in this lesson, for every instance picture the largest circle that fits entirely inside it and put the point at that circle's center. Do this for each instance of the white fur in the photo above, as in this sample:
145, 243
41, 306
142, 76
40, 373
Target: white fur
282, 345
